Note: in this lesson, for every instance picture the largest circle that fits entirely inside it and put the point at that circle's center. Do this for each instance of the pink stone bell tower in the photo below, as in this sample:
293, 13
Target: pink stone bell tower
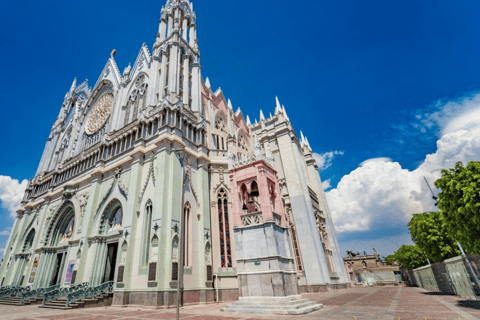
257, 195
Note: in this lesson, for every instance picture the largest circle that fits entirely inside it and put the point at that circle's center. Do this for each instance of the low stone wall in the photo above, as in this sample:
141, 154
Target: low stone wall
452, 276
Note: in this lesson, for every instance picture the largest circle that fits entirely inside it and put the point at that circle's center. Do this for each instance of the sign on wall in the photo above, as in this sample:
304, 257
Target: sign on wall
68, 276
34, 268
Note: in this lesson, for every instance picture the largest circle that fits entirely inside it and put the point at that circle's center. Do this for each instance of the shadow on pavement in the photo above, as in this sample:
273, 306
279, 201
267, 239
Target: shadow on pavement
432, 293
469, 304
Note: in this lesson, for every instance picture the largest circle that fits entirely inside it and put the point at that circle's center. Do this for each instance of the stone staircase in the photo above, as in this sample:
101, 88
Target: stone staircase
292, 305
102, 300
17, 301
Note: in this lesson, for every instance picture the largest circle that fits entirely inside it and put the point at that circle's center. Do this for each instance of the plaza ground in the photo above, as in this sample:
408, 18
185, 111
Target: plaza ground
360, 303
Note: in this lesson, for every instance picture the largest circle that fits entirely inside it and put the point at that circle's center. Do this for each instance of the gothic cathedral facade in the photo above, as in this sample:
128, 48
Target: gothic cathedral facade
111, 195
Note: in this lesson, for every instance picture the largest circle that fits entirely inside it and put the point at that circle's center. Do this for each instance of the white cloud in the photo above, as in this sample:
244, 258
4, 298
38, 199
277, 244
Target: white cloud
327, 184
11, 193
4, 233
381, 193
324, 160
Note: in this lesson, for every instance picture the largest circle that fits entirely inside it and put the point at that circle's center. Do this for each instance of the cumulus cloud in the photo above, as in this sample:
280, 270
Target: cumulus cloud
382, 193
324, 160
11, 193
4, 233
327, 184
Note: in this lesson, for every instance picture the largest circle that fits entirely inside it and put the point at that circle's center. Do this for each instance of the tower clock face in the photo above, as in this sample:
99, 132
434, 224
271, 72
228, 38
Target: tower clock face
99, 114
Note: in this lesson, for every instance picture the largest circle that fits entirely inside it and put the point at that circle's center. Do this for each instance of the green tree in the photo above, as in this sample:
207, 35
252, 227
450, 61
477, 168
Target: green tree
429, 231
390, 259
411, 256
459, 201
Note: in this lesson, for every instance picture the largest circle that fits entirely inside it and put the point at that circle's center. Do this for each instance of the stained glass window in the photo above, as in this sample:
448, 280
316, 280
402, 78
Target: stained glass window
224, 230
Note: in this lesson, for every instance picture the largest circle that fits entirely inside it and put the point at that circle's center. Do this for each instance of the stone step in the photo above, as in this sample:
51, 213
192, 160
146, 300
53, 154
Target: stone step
6, 303
278, 310
287, 303
278, 306
274, 307
55, 307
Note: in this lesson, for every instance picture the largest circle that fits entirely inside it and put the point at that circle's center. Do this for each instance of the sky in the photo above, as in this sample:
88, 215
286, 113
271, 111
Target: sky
387, 92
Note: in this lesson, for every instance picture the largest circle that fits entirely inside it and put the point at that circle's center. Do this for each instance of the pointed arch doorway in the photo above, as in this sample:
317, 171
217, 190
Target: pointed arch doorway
109, 235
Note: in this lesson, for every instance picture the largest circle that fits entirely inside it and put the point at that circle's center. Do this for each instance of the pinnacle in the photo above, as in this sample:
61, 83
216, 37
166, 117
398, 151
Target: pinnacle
278, 108
262, 117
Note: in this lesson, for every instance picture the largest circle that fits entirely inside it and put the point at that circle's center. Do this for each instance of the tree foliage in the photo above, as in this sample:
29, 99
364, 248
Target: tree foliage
459, 201
390, 259
411, 256
429, 231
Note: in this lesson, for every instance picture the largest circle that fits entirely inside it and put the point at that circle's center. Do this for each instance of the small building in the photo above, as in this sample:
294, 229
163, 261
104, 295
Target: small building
371, 269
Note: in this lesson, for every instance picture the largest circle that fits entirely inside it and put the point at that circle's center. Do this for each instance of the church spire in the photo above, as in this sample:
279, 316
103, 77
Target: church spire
180, 80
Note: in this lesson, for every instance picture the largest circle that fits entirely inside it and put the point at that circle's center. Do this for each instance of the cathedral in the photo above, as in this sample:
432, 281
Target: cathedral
152, 181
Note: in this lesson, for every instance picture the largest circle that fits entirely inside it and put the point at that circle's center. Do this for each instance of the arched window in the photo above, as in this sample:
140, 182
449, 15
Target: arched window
364, 264
117, 219
224, 229
146, 233
187, 236
67, 233
136, 99
154, 256
28, 241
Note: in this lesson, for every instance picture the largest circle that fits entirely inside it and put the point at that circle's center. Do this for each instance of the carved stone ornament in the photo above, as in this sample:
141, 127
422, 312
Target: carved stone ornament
99, 114
69, 192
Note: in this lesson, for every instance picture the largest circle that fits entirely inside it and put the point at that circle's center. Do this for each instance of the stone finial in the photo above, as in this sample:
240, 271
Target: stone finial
127, 70
278, 108
74, 84
207, 83
248, 121
229, 104
285, 112
307, 143
262, 117
302, 136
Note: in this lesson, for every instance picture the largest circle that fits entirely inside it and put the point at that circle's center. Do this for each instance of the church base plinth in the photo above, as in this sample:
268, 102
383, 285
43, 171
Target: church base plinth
292, 305
162, 299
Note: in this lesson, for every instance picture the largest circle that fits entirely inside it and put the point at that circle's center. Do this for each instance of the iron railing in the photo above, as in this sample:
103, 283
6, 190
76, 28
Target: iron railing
89, 292
62, 292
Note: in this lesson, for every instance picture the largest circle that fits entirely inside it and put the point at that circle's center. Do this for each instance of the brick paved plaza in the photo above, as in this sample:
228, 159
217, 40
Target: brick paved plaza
362, 303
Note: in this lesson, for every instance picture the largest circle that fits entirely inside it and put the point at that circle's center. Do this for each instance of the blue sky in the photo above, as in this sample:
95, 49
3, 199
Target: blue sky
367, 79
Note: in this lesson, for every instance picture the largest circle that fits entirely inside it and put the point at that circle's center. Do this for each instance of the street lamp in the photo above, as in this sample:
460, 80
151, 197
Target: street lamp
180, 153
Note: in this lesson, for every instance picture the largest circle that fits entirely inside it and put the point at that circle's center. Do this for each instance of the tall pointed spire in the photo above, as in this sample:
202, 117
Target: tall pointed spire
248, 121
262, 117
278, 108
302, 136
207, 83
74, 85
285, 112
229, 104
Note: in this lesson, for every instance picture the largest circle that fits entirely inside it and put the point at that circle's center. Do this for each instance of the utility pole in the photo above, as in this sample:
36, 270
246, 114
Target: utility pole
180, 153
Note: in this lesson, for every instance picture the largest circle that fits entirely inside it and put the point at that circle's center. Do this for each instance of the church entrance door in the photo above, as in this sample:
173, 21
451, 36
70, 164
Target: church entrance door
57, 270
111, 262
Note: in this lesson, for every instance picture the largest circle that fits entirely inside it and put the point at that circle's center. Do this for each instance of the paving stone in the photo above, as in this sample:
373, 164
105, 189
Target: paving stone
389, 303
